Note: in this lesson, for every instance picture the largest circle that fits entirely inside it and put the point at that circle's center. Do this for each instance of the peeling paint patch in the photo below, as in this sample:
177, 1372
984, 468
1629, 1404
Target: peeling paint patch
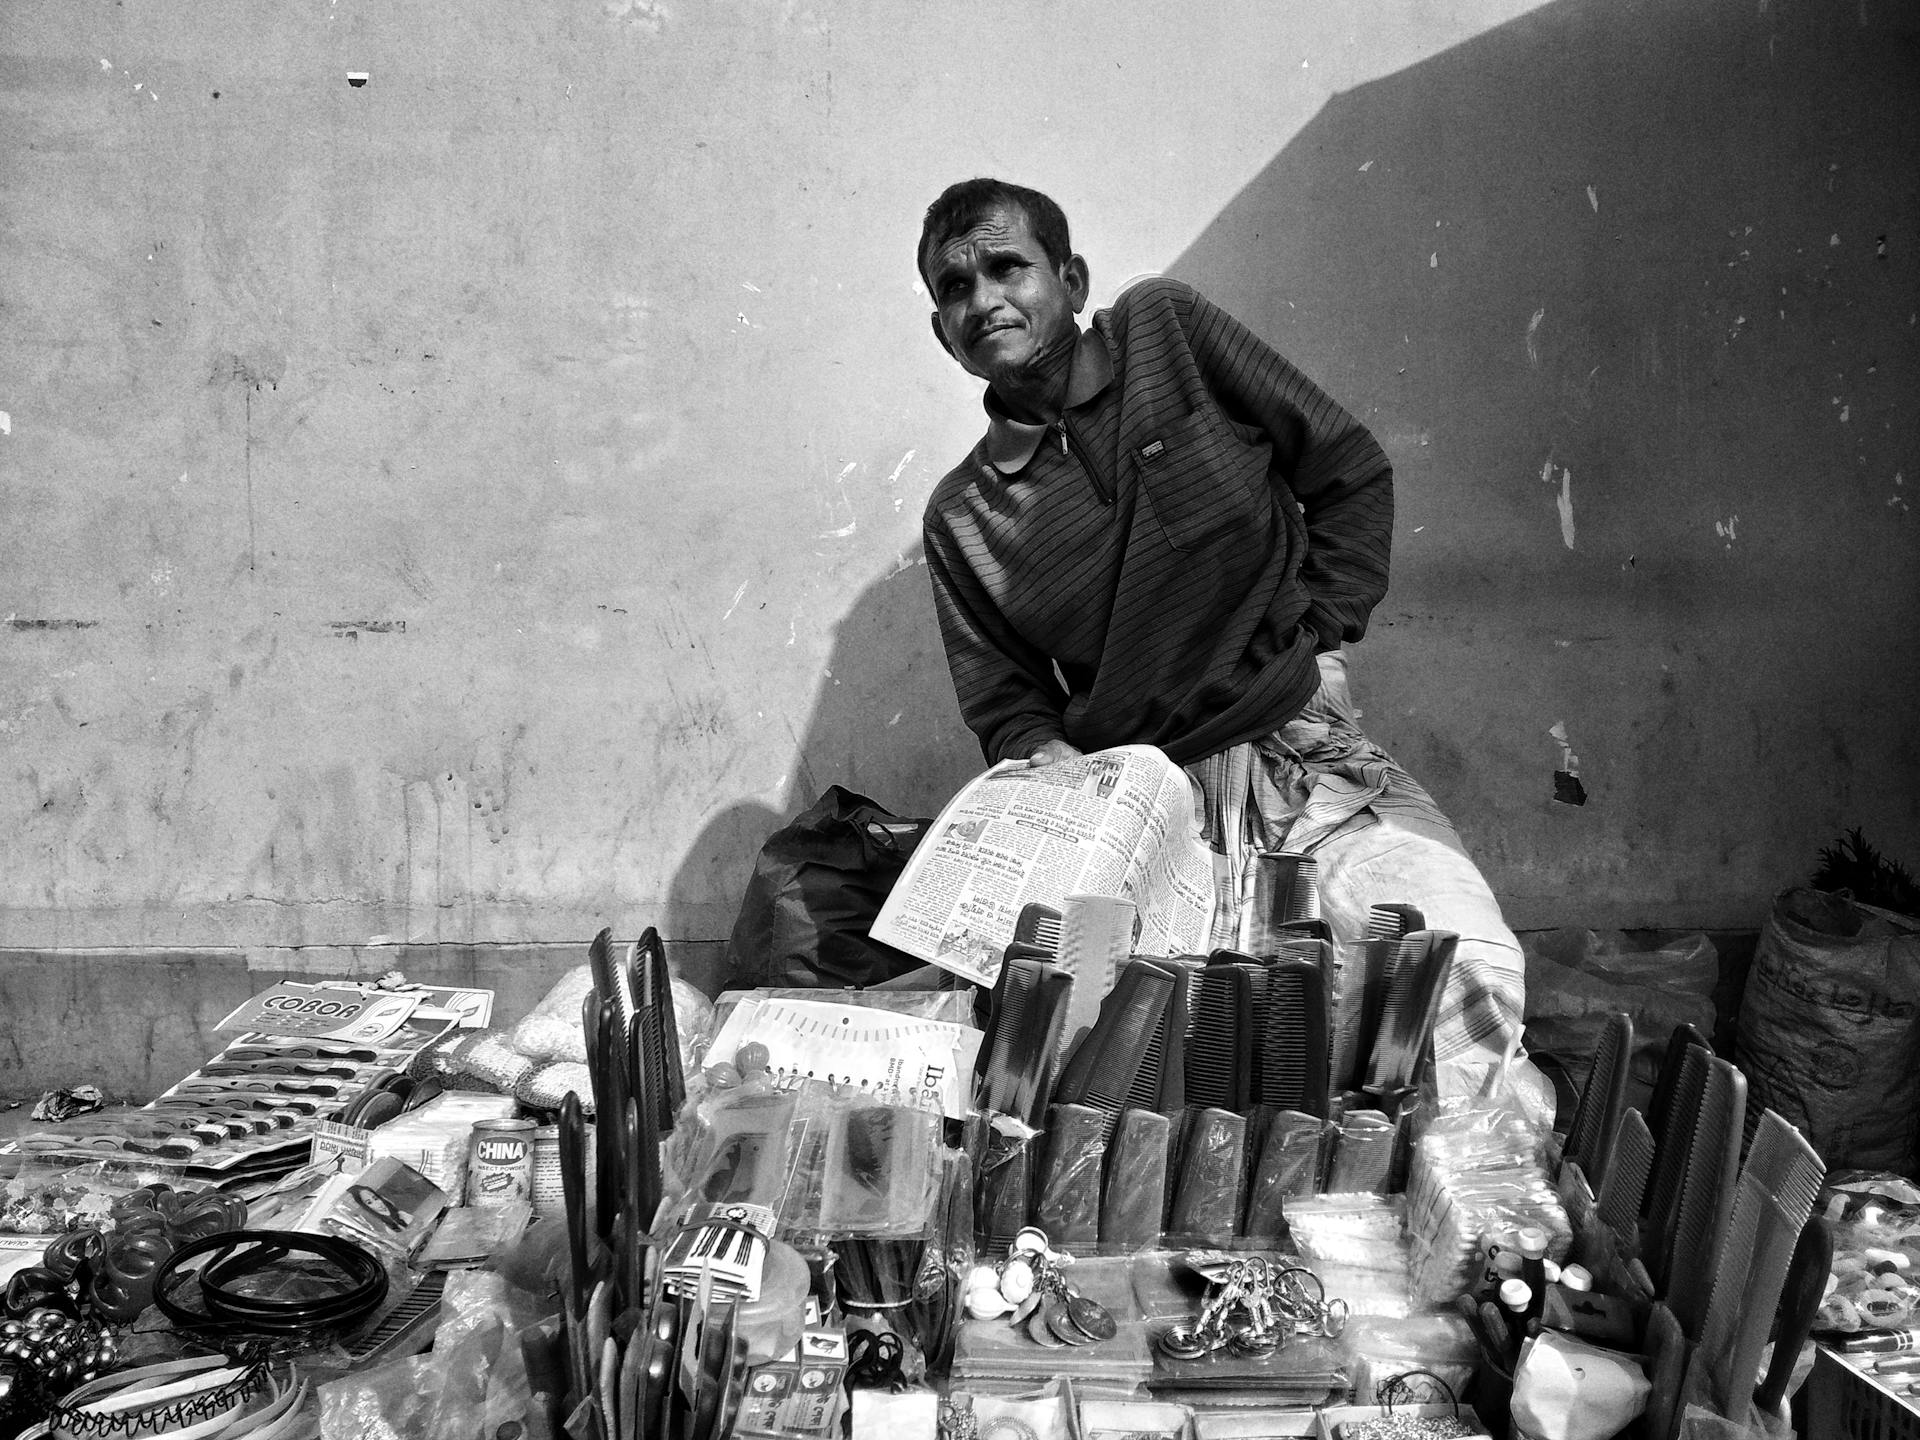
20, 623
1564, 501
1593, 199
645, 14
734, 603
842, 533
6, 423
1725, 528
1533, 333
1567, 788
905, 460
353, 629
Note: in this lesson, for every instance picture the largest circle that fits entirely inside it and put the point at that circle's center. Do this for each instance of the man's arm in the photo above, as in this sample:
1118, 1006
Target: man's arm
1007, 692
1328, 460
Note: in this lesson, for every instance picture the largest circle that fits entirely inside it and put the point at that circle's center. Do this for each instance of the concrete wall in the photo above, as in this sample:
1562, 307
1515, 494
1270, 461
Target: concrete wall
474, 504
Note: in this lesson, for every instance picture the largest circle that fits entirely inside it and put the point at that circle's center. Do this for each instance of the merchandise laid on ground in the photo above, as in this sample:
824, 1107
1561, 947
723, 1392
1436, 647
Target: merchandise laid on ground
1053, 1184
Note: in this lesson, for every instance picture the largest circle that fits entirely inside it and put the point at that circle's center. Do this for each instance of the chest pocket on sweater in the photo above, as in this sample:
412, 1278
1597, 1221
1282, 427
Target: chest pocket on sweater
1202, 482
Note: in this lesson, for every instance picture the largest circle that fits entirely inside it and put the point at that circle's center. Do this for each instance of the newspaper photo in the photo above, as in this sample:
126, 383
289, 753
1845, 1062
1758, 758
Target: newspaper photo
1117, 822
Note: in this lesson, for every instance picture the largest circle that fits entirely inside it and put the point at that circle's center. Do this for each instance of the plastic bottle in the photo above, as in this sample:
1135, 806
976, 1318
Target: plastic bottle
1532, 1244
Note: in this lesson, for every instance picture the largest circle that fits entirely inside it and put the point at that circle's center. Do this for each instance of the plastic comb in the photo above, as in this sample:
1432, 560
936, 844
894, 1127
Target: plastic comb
1597, 1116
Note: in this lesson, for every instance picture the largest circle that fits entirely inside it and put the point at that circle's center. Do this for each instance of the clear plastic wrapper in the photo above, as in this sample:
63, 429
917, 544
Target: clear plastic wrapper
1074, 1153
1004, 1172
1211, 1182
1442, 1344
473, 1382
1291, 1145
1133, 1205
826, 1161
993, 1350
1364, 1152
1876, 1253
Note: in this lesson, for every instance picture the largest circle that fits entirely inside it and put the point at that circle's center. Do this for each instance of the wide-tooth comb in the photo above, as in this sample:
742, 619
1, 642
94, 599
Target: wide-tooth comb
1133, 1203
1292, 1064
1706, 1194
1107, 1064
1393, 921
1207, 1195
1660, 1210
1661, 1101
1778, 1189
1221, 1032
1597, 1116
1096, 936
1068, 1207
659, 1028
1036, 932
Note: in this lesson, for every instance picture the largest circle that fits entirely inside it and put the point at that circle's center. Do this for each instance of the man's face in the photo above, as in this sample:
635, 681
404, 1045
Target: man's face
999, 303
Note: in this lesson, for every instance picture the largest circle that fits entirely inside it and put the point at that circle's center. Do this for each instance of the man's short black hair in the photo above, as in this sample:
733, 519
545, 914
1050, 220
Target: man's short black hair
964, 205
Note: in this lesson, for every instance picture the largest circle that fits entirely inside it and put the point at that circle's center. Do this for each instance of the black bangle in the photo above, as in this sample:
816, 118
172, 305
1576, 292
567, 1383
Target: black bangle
242, 1253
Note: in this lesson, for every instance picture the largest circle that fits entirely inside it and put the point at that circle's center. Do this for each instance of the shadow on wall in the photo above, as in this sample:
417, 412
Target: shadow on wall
884, 724
1627, 290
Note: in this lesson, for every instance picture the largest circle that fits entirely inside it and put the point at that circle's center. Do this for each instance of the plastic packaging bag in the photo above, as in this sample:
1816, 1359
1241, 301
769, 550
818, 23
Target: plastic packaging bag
473, 1382
1577, 978
816, 887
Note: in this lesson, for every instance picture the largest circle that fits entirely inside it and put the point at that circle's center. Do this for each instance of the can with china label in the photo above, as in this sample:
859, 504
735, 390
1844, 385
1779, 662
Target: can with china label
500, 1162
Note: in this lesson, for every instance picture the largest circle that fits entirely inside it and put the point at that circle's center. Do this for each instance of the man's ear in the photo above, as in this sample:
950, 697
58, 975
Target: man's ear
941, 335
1078, 280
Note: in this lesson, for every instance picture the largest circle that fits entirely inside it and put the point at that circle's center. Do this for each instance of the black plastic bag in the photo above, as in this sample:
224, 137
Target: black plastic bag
816, 888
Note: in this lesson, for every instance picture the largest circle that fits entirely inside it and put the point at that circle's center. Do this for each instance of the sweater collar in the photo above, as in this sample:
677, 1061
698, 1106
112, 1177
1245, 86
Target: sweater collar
1010, 443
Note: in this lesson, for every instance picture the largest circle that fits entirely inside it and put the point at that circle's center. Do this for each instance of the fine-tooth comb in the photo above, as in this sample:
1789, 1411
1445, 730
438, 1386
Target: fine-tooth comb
1778, 1189
659, 1030
1161, 1081
1626, 1184
1030, 1011
1292, 1064
1660, 1210
1221, 1032
1597, 1116
1387, 926
1661, 1101
1706, 1194
1117, 1056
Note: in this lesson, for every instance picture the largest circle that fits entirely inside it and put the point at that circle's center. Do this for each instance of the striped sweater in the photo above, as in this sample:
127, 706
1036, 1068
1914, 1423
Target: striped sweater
1160, 566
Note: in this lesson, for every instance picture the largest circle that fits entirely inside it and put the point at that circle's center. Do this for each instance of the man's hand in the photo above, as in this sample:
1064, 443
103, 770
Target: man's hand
1052, 751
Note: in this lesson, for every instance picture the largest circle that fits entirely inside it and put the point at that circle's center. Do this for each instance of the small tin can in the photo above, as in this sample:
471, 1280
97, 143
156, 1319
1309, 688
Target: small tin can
500, 1162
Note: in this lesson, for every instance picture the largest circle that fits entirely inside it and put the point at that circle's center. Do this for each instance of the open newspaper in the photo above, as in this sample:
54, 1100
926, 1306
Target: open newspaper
1117, 822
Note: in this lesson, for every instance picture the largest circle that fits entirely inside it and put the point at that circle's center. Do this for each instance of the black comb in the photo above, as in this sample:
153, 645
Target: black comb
1706, 1194
1068, 1207
1219, 1058
659, 1030
1112, 1061
1208, 1195
1031, 1010
1683, 1038
1292, 1067
1161, 1083
1036, 932
1659, 1212
1597, 1116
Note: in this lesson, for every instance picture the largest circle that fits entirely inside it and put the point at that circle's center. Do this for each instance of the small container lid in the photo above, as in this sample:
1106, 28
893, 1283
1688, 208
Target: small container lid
1515, 1294
1533, 1242
1576, 1277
